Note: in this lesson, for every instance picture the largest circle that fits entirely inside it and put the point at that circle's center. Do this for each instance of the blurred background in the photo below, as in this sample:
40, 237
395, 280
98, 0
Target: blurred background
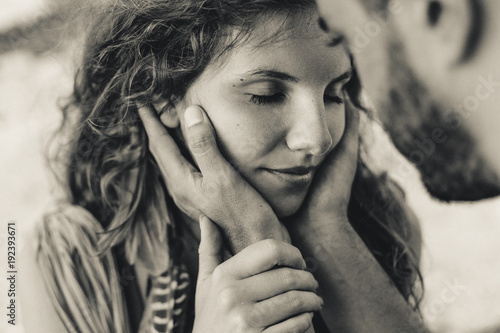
40, 44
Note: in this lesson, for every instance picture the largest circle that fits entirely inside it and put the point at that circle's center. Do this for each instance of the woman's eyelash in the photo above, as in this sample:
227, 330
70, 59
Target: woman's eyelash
267, 99
334, 99
278, 97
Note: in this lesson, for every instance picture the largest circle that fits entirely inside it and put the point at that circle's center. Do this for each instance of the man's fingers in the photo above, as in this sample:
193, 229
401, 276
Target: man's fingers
174, 166
263, 256
344, 156
157, 133
203, 145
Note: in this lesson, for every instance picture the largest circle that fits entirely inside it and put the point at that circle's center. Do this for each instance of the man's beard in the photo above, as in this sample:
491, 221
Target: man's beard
434, 140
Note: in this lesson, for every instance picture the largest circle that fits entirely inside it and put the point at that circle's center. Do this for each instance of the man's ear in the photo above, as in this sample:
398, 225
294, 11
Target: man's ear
169, 115
438, 29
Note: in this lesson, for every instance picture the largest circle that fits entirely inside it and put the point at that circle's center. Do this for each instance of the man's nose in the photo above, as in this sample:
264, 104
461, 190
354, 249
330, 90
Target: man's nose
308, 131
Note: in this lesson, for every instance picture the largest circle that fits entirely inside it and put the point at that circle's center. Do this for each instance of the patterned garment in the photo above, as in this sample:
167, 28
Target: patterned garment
166, 302
86, 289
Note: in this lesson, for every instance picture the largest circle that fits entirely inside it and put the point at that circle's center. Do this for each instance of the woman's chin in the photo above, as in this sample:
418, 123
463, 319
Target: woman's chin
286, 206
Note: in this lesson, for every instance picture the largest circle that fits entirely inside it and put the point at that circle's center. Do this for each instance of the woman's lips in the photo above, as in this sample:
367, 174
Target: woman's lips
300, 170
297, 176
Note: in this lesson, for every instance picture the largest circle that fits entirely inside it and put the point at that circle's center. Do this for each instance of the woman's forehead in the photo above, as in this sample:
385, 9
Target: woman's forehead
301, 47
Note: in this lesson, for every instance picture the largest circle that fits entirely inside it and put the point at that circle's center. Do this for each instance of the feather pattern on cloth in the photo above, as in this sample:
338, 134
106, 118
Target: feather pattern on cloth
84, 287
165, 309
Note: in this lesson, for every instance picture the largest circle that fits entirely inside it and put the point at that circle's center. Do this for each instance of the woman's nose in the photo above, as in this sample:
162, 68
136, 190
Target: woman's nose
308, 131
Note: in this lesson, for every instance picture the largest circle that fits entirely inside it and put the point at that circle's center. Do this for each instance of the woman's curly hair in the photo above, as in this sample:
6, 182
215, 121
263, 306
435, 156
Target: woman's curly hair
151, 51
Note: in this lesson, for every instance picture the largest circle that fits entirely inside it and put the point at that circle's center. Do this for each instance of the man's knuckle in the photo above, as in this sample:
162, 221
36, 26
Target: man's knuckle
227, 297
294, 300
290, 277
272, 248
255, 315
218, 275
201, 143
240, 322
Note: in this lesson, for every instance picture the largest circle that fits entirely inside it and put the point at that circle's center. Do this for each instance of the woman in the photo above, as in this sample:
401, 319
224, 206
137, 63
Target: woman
275, 91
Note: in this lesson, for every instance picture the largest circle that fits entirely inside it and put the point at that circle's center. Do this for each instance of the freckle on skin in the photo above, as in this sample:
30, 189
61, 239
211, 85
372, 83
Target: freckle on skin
242, 80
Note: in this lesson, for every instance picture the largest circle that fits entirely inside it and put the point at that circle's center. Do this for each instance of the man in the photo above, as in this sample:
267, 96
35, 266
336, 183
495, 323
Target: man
438, 61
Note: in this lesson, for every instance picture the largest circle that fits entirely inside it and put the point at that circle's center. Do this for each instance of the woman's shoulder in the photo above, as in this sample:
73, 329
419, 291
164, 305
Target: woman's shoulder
71, 277
38, 311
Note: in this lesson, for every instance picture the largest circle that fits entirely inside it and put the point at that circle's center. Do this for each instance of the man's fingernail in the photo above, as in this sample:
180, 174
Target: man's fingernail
192, 116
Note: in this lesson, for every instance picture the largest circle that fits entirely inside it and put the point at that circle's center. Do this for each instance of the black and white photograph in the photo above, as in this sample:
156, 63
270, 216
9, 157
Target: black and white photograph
250, 166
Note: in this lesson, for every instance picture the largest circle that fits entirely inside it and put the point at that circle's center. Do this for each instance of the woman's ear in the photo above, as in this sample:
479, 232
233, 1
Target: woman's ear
169, 115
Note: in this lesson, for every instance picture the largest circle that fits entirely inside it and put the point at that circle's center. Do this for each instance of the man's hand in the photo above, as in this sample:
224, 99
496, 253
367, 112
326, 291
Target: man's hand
354, 286
330, 192
217, 190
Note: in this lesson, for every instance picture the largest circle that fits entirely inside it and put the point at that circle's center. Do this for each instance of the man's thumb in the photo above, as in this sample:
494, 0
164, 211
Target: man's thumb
210, 249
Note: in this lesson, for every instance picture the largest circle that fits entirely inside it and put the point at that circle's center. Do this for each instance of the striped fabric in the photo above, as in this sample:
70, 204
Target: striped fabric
86, 289
166, 302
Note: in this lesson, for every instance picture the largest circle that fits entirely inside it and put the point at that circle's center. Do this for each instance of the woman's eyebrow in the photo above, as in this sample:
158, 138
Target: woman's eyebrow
290, 78
274, 74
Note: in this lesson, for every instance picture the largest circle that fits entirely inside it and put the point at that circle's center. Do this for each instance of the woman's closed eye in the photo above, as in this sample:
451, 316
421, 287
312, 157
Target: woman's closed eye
334, 99
267, 99
279, 97
335, 93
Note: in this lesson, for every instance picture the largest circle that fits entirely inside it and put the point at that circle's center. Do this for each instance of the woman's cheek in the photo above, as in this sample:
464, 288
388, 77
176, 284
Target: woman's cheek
242, 152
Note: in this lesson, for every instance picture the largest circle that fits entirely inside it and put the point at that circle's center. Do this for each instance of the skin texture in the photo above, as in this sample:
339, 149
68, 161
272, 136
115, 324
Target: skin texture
426, 84
298, 128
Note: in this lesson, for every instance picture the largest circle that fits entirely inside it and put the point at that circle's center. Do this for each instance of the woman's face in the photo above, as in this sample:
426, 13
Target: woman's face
277, 109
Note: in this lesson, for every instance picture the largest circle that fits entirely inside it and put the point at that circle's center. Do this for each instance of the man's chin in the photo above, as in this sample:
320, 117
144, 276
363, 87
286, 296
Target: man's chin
457, 184
447, 192
434, 137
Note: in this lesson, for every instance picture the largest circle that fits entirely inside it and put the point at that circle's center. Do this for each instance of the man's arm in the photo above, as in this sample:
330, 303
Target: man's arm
358, 294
